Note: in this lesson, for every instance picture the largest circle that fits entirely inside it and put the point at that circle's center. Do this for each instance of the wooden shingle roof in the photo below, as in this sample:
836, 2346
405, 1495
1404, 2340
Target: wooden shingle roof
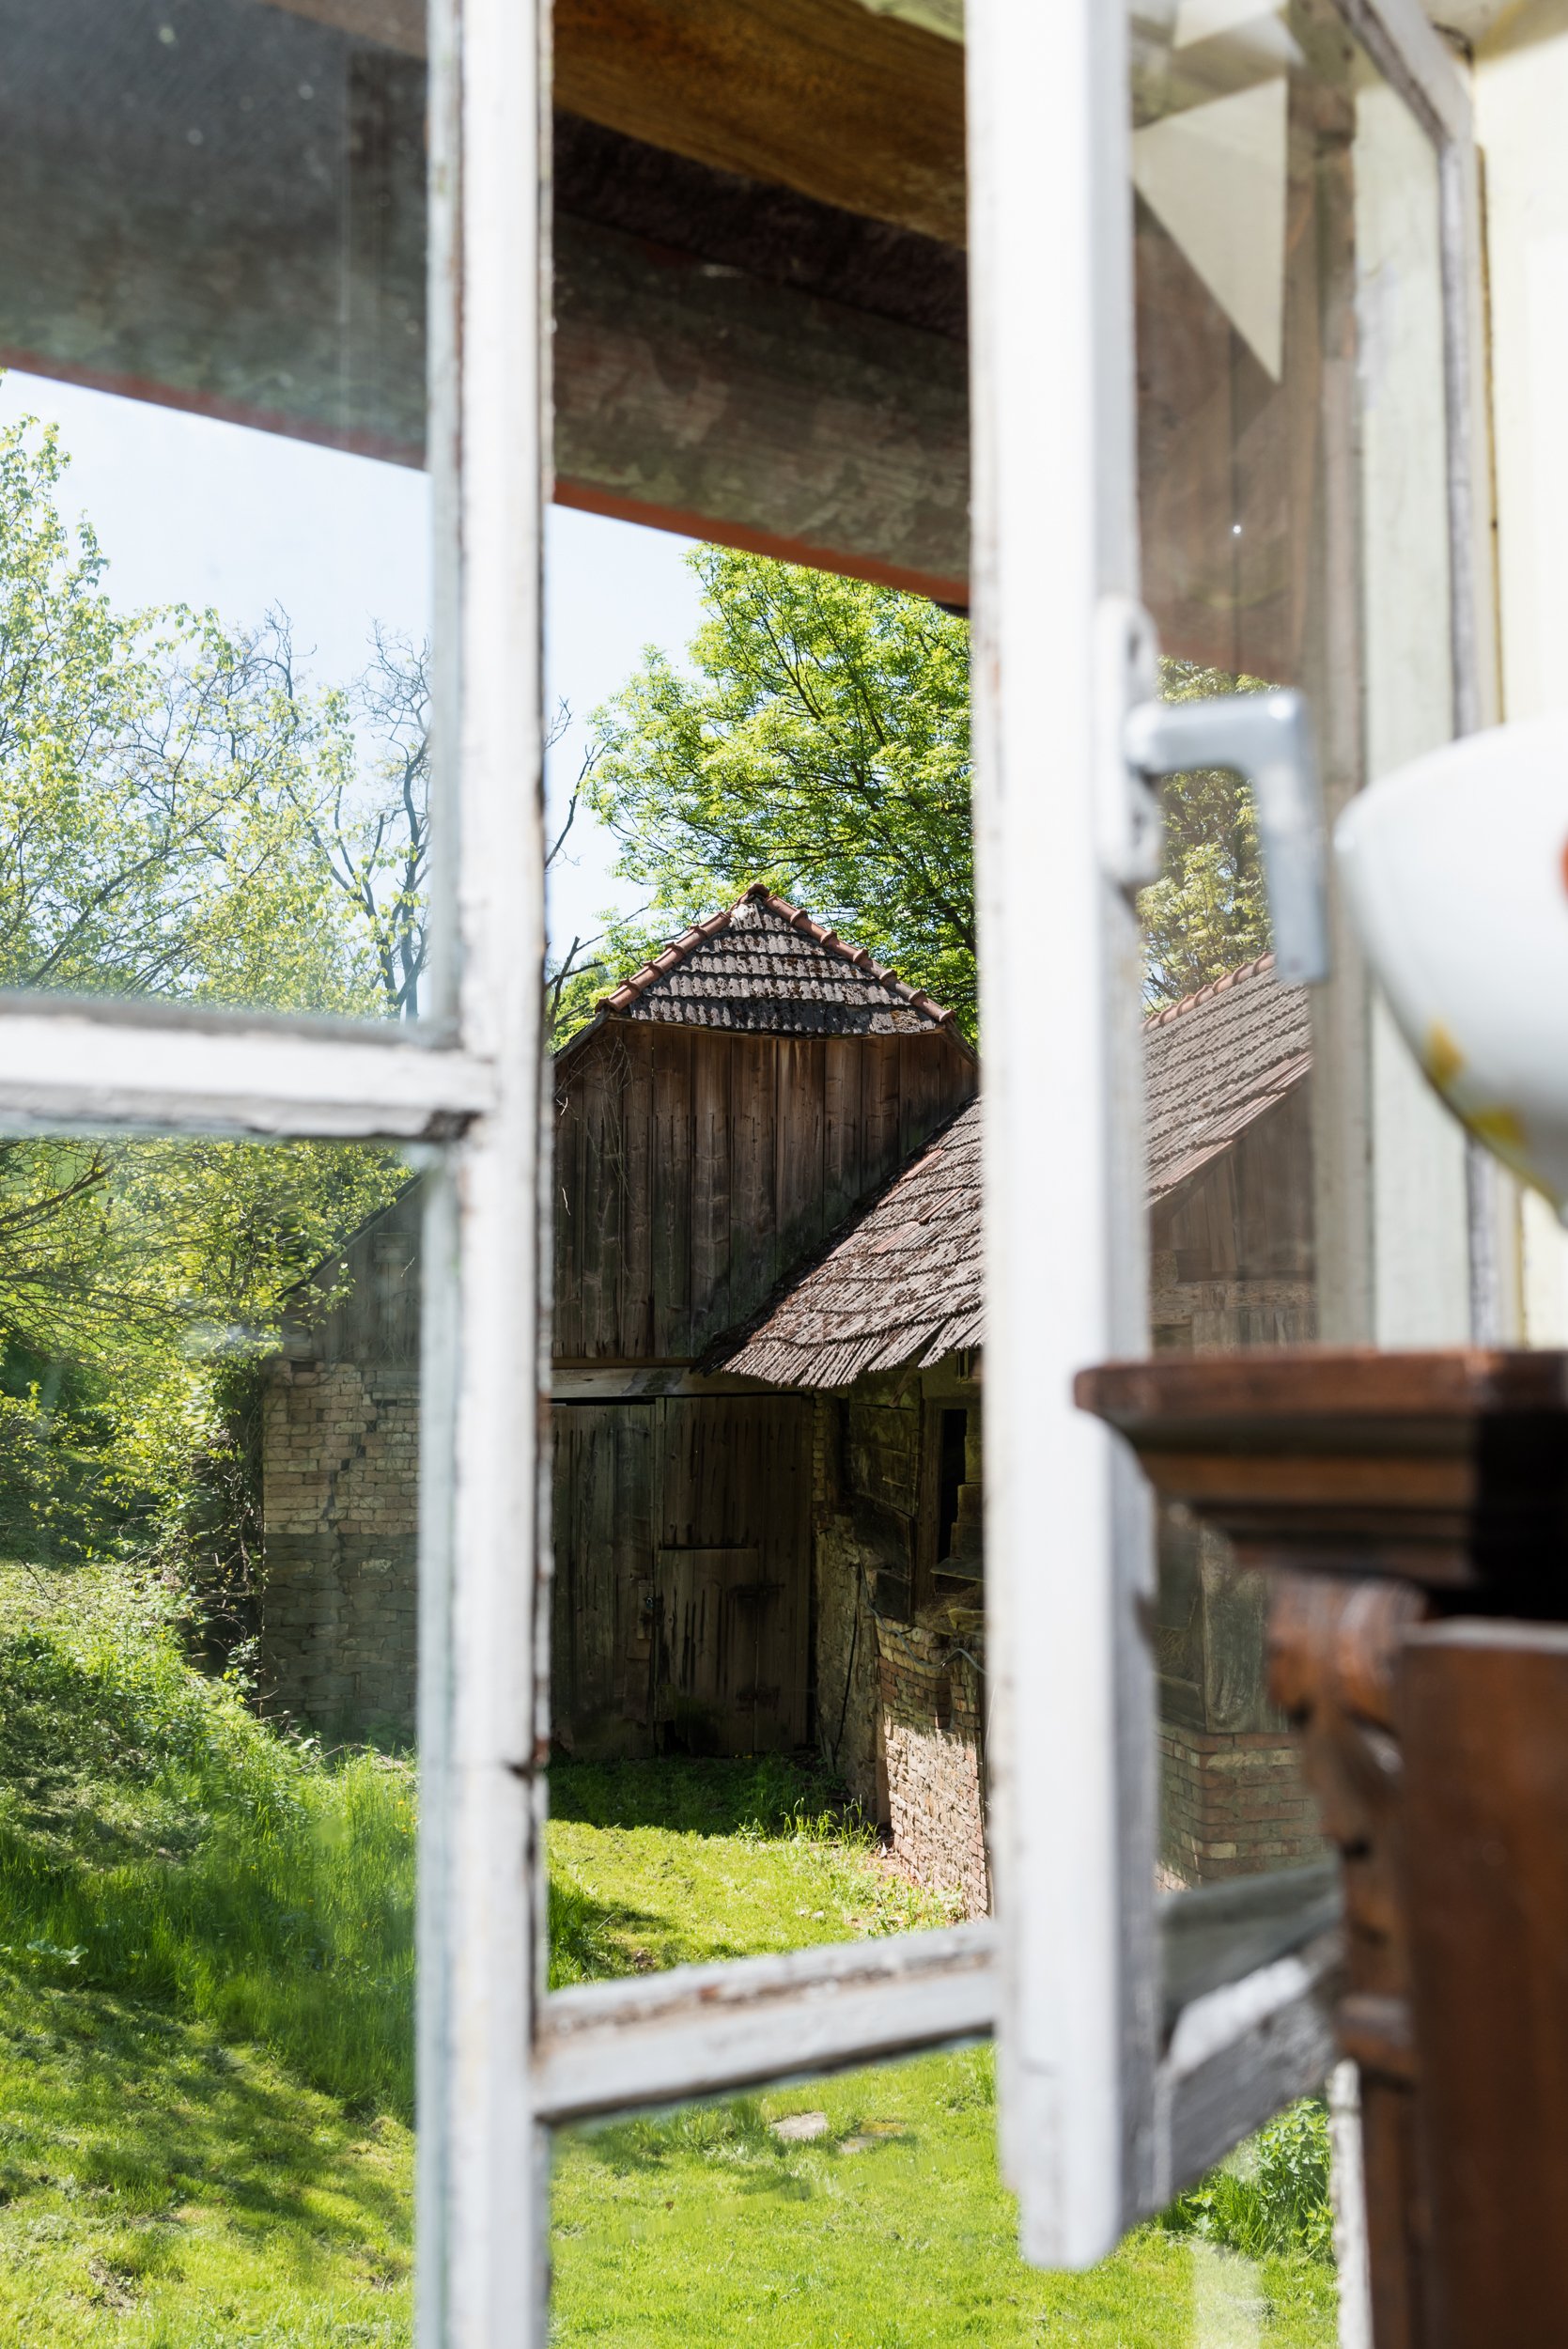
763, 965
1214, 1063
903, 1287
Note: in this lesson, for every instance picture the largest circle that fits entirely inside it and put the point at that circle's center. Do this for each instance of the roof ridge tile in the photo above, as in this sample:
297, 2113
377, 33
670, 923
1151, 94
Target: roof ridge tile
1253, 969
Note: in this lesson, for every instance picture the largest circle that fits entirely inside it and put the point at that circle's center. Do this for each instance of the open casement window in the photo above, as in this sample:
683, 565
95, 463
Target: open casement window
1225, 286
755, 261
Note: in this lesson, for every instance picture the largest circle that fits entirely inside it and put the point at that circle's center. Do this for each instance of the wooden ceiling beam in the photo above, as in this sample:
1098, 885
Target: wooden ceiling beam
703, 400
860, 110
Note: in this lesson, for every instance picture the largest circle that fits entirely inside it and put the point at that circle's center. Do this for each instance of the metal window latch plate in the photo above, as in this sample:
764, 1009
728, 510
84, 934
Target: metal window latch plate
1265, 738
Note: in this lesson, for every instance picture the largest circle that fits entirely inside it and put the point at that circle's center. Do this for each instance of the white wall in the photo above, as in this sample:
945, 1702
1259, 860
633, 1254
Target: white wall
1521, 84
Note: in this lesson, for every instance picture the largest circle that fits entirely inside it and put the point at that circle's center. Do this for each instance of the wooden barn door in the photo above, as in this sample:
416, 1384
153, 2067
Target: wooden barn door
602, 1599
733, 1572
712, 1605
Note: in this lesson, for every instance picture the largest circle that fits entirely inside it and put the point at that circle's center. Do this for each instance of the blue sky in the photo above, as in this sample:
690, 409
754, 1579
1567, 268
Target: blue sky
189, 510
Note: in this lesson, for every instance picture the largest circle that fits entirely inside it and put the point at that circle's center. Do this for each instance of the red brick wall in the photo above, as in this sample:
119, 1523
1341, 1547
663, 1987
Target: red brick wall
1232, 1803
932, 1694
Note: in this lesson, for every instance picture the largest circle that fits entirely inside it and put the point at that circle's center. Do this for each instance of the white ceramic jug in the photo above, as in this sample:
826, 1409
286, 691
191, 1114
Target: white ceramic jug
1456, 873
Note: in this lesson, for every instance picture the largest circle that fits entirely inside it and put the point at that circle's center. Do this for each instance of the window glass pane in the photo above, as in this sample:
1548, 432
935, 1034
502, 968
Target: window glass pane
866, 2211
208, 1451
1293, 456
214, 527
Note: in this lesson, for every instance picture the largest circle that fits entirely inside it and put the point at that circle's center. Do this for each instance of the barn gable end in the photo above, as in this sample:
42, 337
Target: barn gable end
730, 1106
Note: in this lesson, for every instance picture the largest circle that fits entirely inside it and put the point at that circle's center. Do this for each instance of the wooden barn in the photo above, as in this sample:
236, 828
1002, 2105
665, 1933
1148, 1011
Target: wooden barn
885, 1332
726, 1112
767, 1391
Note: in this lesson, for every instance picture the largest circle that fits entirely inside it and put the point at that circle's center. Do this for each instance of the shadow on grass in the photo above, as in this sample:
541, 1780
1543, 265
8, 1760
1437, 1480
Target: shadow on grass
120, 2100
769, 1794
594, 1941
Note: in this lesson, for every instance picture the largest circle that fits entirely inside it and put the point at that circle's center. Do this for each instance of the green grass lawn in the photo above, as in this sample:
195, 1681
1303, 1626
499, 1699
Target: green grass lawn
679, 1863
160, 2187
205, 2039
889, 2232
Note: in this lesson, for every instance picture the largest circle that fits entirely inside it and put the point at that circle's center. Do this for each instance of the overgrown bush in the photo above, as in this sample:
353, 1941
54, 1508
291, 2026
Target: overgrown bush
1271, 2196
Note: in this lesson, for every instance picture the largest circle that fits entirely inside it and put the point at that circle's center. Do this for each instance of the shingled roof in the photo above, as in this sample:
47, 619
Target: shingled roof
902, 1288
763, 965
1214, 1063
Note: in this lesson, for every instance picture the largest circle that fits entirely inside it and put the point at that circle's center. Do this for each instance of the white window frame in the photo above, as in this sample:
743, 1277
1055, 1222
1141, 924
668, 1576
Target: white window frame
1068, 1975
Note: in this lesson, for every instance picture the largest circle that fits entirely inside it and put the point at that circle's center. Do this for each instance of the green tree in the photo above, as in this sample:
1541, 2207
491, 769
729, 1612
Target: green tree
140, 1284
163, 783
373, 838
181, 815
820, 743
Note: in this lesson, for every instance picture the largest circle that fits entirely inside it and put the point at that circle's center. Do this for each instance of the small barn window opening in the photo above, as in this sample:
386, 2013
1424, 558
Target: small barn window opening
950, 1481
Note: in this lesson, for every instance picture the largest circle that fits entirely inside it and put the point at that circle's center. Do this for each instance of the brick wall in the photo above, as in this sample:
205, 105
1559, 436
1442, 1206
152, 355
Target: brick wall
932, 1695
340, 1502
1232, 1803
898, 1659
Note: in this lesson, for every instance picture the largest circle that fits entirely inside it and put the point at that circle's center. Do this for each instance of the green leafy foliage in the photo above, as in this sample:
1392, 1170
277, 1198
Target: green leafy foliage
1272, 2195
1208, 911
140, 1284
163, 785
818, 742
182, 815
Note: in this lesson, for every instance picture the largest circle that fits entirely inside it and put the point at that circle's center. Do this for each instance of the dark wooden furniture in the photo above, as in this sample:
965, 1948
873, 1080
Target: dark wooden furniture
1412, 1510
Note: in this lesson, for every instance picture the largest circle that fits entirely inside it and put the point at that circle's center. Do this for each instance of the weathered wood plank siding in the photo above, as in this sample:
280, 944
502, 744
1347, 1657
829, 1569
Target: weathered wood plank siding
712, 1232
680, 1607
737, 1479
1231, 1248
668, 1051
750, 1150
602, 1601
753, 1144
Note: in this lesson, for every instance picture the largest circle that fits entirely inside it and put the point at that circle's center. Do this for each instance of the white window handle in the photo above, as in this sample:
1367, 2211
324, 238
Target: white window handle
1267, 739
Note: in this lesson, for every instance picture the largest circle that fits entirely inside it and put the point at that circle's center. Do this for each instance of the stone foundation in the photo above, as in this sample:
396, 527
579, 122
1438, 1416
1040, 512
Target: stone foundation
340, 1511
1234, 1803
932, 1694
